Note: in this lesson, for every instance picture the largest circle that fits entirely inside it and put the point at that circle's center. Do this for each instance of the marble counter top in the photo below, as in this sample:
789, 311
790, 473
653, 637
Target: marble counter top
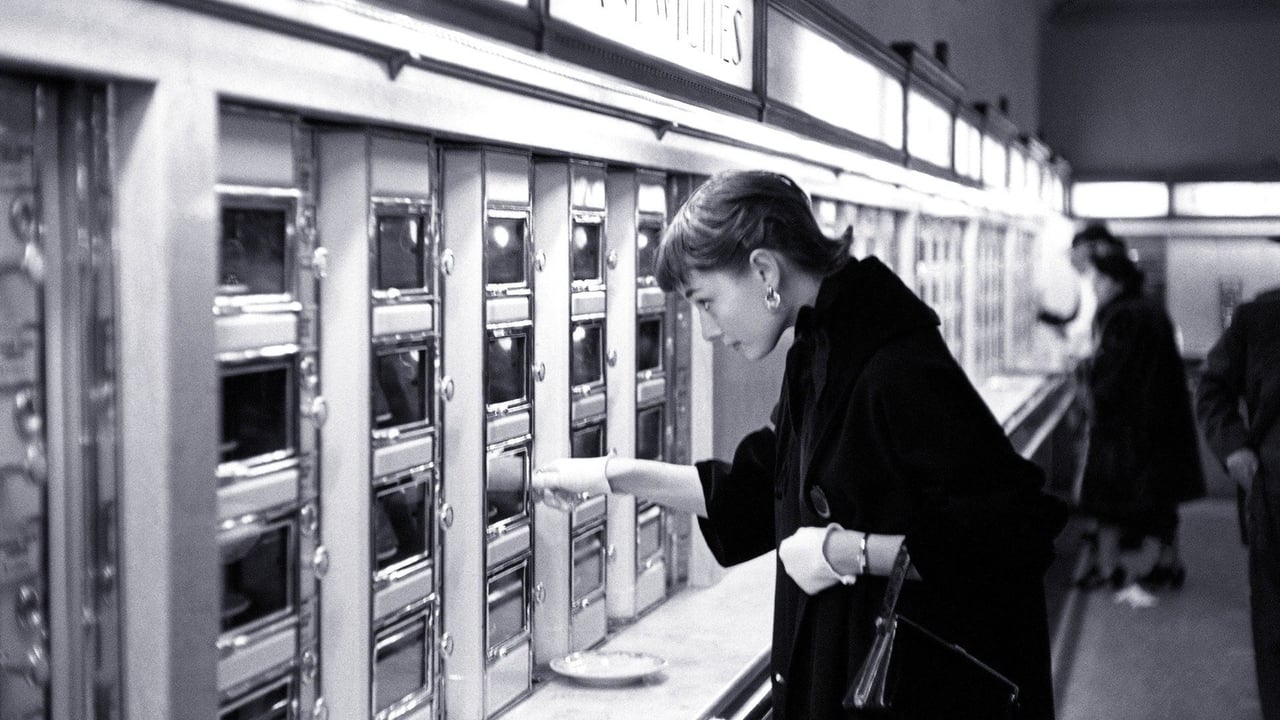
707, 635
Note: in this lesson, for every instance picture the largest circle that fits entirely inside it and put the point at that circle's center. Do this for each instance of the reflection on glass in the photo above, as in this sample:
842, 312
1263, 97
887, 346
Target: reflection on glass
251, 258
504, 252
402, 387
402, 261
400, 668
255, 413
588, 564
647, 239
271, 704
506, 485
649, 344
585, 248
586, 364
255, 577
401, 525
649, 433
507, 366
649, 535
506, 606
588, 441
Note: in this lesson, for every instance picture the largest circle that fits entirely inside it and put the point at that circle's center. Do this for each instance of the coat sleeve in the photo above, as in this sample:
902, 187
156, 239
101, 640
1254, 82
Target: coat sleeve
740, 500
1220, 389
1122, 359
977, 511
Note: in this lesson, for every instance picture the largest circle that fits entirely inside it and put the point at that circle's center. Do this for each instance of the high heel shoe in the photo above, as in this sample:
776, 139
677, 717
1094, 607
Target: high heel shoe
1160, 575
1094, 579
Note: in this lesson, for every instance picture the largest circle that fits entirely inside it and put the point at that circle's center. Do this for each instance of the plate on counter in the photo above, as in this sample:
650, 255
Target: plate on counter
608, 668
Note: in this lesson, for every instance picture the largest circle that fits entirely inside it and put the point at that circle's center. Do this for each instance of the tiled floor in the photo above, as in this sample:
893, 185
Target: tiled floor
1189, 657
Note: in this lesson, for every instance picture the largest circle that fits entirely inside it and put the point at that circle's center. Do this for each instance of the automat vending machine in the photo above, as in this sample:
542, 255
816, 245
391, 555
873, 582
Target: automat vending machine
267, 318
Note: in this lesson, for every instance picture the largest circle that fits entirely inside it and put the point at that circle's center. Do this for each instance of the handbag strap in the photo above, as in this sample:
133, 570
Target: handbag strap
901, 565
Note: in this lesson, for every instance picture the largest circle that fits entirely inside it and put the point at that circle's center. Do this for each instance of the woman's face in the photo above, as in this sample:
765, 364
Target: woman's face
731, 307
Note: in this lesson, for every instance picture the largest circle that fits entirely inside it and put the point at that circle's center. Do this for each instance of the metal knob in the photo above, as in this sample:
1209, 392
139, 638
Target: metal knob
310, 371
317, 410
28, 609
320, 263
539, 593
22, 217
446, 387
611, 259
612, 358
585, 603
446, 644
34, 667
309, 517
612, 552
320, 562
446, 262
33, 263
540, 371
310, 665
540, 260
26, 413
446, 515
320, 711
37, 464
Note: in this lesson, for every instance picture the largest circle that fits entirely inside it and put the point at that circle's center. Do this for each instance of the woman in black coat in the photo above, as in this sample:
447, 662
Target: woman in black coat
1143, 458
879, 441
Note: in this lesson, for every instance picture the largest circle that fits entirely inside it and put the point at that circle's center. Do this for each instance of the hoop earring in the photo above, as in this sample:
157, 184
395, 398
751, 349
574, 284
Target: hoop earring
772, 300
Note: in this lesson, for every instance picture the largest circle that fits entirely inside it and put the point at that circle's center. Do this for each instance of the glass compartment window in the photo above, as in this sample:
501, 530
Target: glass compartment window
649, 430
401, 666
257, 417
402, 525
507, 474
586, 362
402, 386
585, 249
253, 250
257, 576
507, 369
403, 261
505, 259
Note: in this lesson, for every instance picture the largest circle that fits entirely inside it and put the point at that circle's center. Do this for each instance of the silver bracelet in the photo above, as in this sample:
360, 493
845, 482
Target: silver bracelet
862, 554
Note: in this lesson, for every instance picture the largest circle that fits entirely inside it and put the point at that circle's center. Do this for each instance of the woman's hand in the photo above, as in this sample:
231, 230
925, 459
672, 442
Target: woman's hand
568, 481
804, 558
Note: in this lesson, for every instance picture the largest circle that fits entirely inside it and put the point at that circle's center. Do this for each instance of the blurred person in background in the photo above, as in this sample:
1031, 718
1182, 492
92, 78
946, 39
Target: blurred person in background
1142, 458
1238, 401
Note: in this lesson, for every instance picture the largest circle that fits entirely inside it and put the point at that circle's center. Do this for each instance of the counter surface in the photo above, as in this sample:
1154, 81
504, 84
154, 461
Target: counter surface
707, 635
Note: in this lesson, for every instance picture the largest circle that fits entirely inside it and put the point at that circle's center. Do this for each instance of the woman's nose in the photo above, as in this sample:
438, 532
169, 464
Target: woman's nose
710, 330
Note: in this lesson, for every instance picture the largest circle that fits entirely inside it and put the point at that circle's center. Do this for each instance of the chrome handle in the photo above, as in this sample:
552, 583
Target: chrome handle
612, 552
446, 644
446, 262
611, 259
585, 602
540, 260
33, 263
320, 263
320, 711
320, 562
502, 652
539, 593
540, 371
446, 387
309, 517
446, 515
37, 464
612, 358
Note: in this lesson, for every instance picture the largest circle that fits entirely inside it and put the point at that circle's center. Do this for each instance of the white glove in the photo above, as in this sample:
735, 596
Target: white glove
568, 481
803, 559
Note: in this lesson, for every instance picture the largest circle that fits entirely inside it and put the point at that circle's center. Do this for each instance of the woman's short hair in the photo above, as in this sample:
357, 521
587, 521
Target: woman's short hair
737, 212
1120, 268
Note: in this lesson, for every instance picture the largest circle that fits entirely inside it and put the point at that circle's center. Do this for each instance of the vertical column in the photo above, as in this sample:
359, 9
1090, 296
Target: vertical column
553, 564
343, 226
622, 197
167, 143
462, 225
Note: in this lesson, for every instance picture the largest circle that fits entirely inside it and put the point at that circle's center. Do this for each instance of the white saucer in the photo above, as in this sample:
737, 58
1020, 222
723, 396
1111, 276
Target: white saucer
608, 668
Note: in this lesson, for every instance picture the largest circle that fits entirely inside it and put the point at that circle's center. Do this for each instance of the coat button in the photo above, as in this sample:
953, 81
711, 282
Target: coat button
777, 677
818, 500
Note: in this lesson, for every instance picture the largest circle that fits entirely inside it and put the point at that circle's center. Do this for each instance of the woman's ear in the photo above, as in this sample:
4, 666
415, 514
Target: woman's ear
767, 266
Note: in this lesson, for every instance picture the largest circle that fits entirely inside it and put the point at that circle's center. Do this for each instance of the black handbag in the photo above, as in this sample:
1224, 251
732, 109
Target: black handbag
910, 672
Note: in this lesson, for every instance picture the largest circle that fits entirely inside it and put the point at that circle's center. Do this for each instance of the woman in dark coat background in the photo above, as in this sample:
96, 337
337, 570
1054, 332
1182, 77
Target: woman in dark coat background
879, 441
1143, 458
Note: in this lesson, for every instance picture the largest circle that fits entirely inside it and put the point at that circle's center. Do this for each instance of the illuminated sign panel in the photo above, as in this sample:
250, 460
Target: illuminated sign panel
709, 37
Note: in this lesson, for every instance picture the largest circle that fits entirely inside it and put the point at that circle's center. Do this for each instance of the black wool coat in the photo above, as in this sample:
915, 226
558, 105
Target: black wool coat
1143, 456
878, 429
